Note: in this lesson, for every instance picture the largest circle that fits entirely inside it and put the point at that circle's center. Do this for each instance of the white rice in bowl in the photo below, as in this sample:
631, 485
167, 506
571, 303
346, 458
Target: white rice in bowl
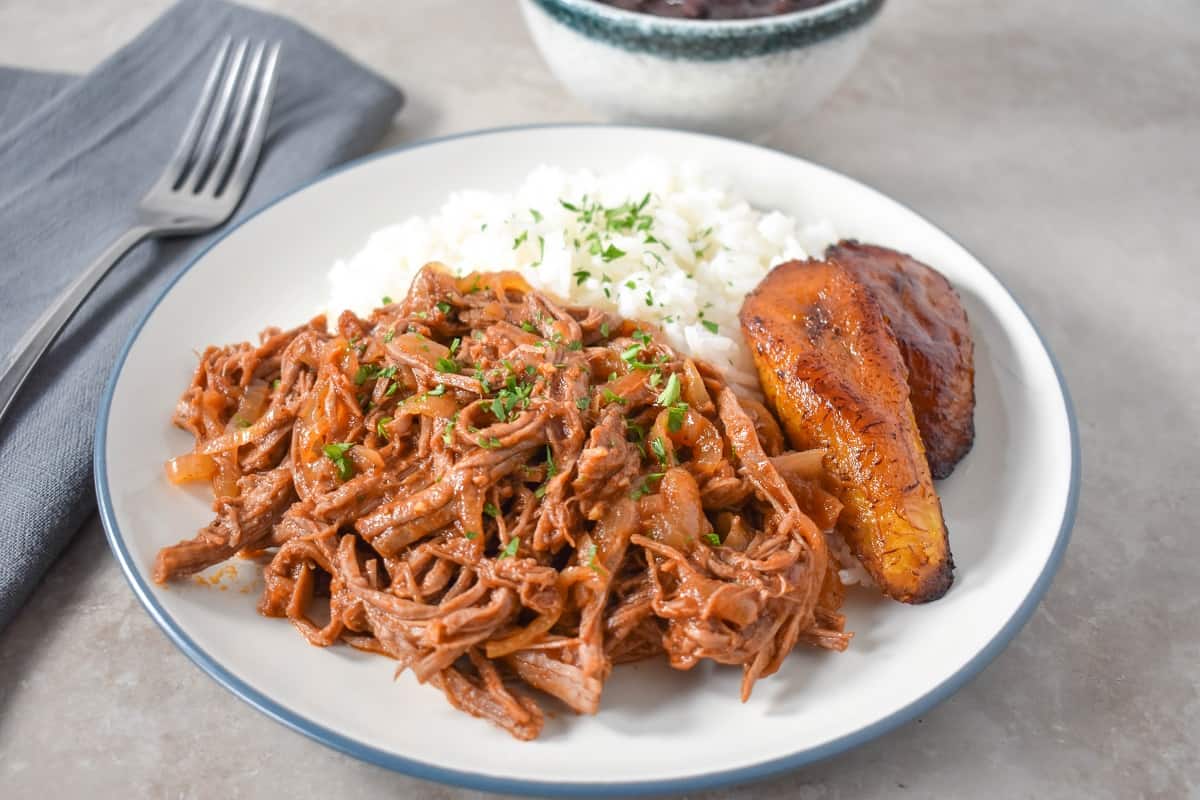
655, 241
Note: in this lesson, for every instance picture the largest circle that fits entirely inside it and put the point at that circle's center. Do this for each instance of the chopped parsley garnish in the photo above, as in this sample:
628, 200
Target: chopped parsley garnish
381, 427
713, 539
604, 328
447, 365
470, 534
575, 346
710, 325
630, 285
631, 353
611, 253
511, 548
551, 469
649, 298
612, 397
387, 300
437, 391
675, 415
583, 403
491, 510
642, 336
448, 434
537, 215
591, 560
444, 307
275, 383
670, 394
581, 276
655, 379
367, 372
241, 422
455, 343
508, 400
517, 242
528, 327
488, 442
659, 449
336, 452
391, 334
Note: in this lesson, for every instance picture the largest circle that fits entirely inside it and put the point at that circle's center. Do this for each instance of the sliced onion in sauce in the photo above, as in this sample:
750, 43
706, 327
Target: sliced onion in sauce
692, 388
250, 407
675, 515
225, 480
365, 458
421, 347
190, 467
427, 405
804, 464
695, 433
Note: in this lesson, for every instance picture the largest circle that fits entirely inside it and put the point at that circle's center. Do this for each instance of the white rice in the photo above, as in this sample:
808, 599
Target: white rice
687, 268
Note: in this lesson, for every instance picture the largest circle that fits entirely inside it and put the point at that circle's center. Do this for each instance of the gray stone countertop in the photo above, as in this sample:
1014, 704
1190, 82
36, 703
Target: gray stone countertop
1059, 141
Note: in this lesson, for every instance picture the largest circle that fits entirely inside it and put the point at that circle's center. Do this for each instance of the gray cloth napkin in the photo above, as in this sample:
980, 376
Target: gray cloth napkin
76, 154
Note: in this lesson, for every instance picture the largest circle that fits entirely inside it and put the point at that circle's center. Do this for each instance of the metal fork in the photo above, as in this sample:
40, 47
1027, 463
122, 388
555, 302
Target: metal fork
201, 186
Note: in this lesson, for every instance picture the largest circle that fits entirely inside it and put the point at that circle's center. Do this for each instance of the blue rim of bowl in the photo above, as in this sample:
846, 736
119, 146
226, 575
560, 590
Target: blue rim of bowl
708, 40
419, 769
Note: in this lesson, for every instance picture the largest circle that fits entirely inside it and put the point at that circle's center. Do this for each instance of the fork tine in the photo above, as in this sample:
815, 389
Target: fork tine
202, 163
180, 160
233, 137
257, 131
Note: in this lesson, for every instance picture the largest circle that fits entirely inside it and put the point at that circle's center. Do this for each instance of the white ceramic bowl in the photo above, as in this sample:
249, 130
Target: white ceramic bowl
734, 77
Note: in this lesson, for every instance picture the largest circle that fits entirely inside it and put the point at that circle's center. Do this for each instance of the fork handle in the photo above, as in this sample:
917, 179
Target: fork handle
29, 350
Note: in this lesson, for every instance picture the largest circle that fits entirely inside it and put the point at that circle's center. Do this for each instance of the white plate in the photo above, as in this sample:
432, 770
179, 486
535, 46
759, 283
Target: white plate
1009, 504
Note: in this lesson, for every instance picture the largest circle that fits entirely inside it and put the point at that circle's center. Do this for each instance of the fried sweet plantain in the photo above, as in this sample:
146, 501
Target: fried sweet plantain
833, 373
930, 326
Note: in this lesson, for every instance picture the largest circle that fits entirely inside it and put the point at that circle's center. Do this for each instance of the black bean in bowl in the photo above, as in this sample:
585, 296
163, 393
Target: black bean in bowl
714, 9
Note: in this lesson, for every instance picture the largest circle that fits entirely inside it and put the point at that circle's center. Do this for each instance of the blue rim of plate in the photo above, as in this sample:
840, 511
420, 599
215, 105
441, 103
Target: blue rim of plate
471, 780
